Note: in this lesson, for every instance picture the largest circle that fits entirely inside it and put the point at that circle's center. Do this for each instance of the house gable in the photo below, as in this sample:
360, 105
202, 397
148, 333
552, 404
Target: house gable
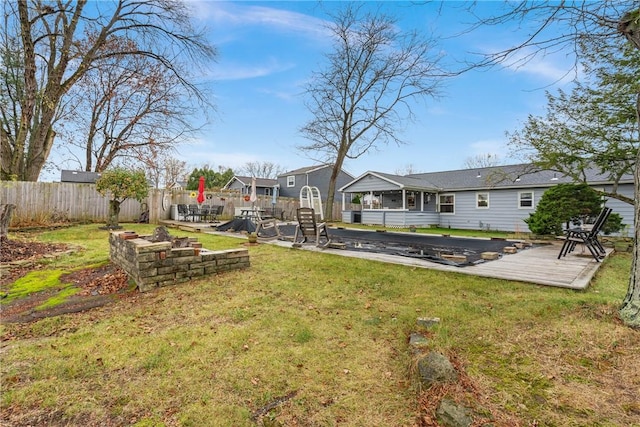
79, 177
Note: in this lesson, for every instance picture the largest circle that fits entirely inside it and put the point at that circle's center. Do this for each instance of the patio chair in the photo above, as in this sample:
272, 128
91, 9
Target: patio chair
586, 237
267, 228
194, 210
308, 228
204, 213
216, 210
183, 212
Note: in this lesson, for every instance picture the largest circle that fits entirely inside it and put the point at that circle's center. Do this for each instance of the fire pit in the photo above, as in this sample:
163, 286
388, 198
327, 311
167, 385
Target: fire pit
162, 260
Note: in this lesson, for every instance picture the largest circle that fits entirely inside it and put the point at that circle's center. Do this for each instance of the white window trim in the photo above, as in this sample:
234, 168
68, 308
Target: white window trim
478, 200
452, 204
520, 193
291, 181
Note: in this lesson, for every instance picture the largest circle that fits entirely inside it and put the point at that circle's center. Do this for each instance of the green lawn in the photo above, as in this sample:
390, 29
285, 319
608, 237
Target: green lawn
314, 339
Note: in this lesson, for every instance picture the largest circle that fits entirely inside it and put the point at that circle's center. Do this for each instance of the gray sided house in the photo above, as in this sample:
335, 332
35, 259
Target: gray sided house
494, 198
79, 177
242, 184
291, 182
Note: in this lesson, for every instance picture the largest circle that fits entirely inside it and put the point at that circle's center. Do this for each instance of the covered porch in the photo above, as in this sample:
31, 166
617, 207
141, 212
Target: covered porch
389, 201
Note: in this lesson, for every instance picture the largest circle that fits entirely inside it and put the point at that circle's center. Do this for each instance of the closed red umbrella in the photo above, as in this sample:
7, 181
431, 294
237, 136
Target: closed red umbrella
201, 190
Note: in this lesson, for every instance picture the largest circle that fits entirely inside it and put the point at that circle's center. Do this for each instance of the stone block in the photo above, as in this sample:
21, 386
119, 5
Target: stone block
454, 258
181, 252
148, 273
145, 246
427, 322
418, 340
186, 260
489, 255
195, 272
510, 250
164, 277
148, 257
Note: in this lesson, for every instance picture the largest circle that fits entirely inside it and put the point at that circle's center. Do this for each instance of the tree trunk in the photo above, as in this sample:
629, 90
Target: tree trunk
630, 310
328, 207
6, 212
114, 212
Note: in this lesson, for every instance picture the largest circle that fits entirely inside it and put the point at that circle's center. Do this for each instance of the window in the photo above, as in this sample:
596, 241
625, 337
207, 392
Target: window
525, 200
447, 203
291, 181
267, 191
482, 200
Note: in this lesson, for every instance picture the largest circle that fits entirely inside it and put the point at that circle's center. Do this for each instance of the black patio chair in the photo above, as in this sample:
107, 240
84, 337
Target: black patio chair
204, 213
216, 211
586, 237
183, 212
309, 228
194, 210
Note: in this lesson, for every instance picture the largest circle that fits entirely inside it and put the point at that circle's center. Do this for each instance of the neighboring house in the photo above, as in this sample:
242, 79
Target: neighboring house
242, 184
494, 198
79, 177
291, 182
180, 185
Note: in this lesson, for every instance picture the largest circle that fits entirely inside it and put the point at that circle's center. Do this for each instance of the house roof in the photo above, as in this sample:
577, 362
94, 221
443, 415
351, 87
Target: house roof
309, 169
508, 176
79, 176
405, 182
246, 181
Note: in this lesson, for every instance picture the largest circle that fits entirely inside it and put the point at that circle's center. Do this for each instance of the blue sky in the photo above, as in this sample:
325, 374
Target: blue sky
268, 50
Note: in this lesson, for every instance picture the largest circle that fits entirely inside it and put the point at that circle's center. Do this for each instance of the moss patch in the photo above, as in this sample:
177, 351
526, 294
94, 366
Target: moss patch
35, 281
59, 298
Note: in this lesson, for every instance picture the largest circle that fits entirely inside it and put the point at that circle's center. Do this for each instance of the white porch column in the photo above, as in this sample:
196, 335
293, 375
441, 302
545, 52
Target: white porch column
404, 199
422, 201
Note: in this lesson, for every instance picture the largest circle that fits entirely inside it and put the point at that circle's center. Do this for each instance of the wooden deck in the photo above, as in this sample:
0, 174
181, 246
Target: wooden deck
538, 265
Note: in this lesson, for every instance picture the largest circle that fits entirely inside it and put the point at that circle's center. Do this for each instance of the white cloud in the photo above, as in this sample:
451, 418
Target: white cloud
234, 71
234, 14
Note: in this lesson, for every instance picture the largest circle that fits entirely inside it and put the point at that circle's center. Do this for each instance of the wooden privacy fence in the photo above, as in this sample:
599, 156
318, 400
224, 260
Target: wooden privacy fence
47, 202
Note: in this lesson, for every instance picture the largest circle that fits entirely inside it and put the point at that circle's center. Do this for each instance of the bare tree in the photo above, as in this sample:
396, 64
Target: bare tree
174, 170
127, 107
262, 169
408, 169
58, 42
482, 161
574, 22
363, 97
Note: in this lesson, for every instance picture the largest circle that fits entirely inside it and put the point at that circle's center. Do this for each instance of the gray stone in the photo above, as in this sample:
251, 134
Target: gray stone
427, 322
161, 234
435, 368
418, 340
450, 414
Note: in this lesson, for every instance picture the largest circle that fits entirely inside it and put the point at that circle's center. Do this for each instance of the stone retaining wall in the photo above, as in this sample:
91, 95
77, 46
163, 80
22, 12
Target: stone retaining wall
154, 264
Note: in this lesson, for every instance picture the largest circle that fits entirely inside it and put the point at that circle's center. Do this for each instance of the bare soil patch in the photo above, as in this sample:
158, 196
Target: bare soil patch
98, 285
